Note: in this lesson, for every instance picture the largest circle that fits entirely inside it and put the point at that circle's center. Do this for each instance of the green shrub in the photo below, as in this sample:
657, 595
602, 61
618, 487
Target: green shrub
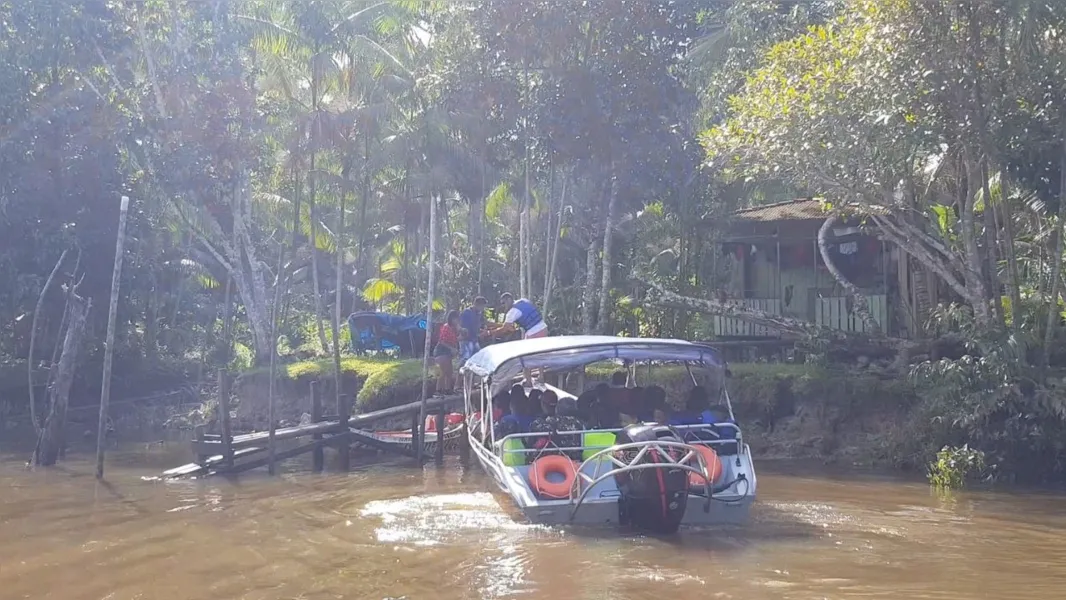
953, 465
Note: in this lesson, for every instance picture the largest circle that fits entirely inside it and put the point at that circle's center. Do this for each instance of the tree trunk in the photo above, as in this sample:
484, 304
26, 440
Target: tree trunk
363, 268
587, 312
337, 317
317, 291
975, 280
522, 266
1056, 277
858, 298
991, 246
480, 221
295, 240
548, 232
1013, 279
32, 362
556, 237
608, 259
311, 200
52, 434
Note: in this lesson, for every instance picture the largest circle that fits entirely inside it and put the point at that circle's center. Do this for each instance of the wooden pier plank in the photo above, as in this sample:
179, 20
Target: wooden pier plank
211, 450
287, 454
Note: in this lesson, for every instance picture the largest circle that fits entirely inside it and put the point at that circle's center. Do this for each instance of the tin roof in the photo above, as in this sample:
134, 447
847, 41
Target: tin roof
801, 209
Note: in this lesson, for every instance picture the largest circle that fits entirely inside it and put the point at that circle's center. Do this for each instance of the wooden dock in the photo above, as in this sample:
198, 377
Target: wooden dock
228, 454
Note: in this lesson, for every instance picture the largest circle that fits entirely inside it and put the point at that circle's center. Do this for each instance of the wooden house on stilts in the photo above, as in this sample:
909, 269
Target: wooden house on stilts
776, 267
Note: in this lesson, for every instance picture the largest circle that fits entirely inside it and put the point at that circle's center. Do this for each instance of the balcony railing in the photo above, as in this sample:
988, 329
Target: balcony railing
834, 312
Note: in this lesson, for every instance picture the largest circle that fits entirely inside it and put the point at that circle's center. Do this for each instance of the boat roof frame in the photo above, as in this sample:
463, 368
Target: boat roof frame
506, 361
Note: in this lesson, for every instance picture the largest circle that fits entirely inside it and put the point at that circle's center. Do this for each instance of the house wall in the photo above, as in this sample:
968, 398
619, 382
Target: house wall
789, 282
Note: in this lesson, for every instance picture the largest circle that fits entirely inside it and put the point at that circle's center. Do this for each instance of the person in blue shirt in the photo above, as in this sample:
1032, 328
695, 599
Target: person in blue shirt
522, 313
695, 404
471, 322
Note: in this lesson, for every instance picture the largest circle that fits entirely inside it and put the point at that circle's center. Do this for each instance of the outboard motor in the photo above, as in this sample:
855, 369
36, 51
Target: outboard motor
653, 500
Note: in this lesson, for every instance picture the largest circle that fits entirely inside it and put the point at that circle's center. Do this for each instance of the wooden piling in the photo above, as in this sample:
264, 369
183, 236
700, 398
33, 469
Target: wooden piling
464, 442
199, 434
317, 457
440, 436
343, 446
224, 416
416, 442
109, 344
271, 414
428, 349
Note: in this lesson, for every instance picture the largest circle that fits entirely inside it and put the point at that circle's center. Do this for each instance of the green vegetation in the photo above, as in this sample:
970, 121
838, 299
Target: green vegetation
953, 466
283, 158
380, 378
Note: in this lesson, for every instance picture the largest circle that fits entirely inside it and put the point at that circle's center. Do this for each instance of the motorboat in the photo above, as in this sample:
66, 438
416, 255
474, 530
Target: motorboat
646, 475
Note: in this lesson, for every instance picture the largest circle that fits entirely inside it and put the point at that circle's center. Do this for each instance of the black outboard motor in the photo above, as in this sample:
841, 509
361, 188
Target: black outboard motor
653, 500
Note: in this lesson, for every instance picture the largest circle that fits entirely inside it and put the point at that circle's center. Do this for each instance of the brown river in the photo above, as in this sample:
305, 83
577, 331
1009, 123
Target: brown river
395, 531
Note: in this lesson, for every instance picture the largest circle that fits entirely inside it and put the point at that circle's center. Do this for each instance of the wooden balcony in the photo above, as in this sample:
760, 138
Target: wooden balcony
834, 312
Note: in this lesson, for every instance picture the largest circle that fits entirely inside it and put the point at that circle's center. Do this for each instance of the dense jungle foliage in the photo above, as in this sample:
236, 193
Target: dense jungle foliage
281, 157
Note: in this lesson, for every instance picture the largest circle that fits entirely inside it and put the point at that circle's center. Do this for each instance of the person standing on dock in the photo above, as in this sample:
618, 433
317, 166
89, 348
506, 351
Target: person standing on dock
523, 314
471, 323
446, 349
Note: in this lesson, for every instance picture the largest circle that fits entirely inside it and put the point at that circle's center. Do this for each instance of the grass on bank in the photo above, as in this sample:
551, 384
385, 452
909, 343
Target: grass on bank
379, 375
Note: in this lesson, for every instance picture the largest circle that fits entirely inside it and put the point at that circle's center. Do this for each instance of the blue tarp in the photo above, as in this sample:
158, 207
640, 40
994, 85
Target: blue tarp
392, 330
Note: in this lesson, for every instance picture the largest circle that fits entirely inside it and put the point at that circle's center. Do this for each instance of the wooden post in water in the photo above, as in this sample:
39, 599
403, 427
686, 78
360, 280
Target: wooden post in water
199, 435
109, 344
317, 457
224, 416
271, 417
440, 435
427, 356
464, 441
416, 443
343, 446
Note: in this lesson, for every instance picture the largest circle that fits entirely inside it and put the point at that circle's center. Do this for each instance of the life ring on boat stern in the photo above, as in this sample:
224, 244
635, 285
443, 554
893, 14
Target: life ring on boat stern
553, 464
714, 468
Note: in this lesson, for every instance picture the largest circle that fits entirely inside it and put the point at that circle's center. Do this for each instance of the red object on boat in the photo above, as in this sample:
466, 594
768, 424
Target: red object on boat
450, 419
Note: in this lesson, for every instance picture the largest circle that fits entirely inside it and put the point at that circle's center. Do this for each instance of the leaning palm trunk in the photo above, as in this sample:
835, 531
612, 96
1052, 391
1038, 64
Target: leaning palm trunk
862, 306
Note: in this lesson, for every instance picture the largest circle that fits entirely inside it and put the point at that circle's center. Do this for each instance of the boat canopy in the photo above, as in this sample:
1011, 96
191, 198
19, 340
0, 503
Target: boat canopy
504, 362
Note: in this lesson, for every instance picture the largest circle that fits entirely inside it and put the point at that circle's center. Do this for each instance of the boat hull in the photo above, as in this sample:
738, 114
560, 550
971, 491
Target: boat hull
602, 509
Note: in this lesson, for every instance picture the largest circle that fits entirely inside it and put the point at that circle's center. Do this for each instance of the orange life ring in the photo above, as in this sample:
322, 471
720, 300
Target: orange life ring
546, 465
714, 468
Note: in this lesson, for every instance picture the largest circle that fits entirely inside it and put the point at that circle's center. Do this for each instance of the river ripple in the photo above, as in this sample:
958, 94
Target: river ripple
393, 531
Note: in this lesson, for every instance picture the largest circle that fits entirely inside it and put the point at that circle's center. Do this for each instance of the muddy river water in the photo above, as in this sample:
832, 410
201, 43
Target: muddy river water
396, 531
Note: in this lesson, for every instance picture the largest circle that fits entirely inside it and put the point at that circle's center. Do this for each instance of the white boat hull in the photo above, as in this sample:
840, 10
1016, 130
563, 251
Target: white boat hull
601, 508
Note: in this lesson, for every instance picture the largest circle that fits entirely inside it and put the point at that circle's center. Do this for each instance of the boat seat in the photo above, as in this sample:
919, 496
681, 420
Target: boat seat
595, 442
512, 458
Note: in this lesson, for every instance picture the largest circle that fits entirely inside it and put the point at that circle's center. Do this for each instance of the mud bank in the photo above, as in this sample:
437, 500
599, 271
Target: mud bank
787, 410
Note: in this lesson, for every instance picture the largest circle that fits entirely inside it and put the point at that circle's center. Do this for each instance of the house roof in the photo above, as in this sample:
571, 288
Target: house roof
801, 209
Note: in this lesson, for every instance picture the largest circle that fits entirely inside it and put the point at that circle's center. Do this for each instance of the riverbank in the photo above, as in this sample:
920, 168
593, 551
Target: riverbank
787, 410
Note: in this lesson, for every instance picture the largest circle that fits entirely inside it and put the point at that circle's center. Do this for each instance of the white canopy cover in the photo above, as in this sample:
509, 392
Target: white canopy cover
503, 362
